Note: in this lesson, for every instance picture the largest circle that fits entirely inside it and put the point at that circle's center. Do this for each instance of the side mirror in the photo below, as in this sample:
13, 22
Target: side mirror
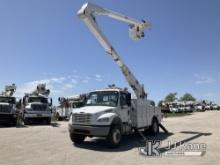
23, 100
51, 102
128, 99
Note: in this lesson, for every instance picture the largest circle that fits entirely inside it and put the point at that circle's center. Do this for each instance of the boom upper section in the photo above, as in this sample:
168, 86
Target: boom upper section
88, 14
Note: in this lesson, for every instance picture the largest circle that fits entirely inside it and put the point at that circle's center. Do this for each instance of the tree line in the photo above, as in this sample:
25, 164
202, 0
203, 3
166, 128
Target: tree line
171, 97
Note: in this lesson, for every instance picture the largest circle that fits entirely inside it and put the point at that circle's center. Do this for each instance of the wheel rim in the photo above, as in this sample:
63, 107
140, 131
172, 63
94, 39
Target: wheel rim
155, 126
116, 136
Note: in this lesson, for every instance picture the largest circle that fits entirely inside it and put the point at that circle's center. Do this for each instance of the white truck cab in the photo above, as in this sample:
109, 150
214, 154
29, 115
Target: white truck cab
37, 108
8, 111
67, 104
8, 114
199, 107
173, 107
111, 113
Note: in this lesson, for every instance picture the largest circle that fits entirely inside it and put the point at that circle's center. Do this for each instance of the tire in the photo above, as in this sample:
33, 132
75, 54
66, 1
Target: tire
49, 121
77, 138
114, 137
14, 122
26, 122
58, 117
154, 128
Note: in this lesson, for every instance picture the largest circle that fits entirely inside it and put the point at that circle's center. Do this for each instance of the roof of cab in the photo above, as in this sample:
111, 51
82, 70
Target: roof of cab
113, 88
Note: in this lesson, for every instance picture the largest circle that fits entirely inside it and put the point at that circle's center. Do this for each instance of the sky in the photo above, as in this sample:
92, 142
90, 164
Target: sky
44, 41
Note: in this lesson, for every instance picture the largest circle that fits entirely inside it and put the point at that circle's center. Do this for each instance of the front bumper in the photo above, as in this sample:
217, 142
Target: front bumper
28, 115
7, 117
96, 130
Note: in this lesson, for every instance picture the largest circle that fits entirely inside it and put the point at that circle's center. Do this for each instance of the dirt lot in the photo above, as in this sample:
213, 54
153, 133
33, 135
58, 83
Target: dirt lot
50, 145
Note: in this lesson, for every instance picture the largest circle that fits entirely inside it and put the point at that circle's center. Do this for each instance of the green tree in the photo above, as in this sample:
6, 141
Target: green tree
171, 97
187, 97
18, 105
160, 103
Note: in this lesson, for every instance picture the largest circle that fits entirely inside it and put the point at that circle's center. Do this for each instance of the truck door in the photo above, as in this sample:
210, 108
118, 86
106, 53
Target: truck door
125, 107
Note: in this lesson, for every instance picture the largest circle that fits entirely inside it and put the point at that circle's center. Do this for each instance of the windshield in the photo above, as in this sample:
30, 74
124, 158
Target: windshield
37, 99
108, 98
10, 100
173, 106
77, 105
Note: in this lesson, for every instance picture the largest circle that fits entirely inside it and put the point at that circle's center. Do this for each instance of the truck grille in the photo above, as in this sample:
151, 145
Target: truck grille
36, 107
5, 108
81, 118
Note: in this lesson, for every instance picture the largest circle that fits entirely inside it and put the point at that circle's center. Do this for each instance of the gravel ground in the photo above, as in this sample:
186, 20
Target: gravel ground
50, 145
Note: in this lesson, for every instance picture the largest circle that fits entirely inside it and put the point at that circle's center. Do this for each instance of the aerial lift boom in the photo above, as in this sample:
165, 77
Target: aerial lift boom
9, 90
40, 90
88, 14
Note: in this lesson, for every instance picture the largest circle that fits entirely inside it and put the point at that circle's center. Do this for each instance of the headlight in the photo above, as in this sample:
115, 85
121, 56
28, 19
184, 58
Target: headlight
70, 120
27, 110
105, 119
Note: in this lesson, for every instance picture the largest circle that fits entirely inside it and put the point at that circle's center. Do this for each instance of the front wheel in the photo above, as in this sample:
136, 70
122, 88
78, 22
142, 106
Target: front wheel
48, 121
114, 137
58, 117
13, 122
26, 122
154, 128
77, 138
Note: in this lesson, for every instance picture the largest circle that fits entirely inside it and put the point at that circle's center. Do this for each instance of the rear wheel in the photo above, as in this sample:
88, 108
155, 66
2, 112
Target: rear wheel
154, 128
77, 138
114, 137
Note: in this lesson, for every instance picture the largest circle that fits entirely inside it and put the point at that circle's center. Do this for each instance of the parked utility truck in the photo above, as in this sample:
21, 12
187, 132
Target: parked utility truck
67, 104
37, 106
8, 113
111, 112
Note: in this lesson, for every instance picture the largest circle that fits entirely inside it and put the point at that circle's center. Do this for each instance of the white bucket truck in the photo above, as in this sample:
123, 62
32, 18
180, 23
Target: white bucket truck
37, 106
67, 104
8, 113
111, 112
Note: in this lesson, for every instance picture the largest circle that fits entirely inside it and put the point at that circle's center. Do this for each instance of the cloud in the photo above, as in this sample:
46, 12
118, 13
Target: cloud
52, 84
31, 86
85, 81
203, 79
68, 86
57, 85
74, 81
58, 80
98, 77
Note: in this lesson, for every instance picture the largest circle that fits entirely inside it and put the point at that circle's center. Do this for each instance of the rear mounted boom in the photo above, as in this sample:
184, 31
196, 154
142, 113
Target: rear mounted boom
136, 31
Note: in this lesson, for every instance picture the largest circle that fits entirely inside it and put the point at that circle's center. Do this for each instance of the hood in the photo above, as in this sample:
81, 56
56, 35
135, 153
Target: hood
92, 109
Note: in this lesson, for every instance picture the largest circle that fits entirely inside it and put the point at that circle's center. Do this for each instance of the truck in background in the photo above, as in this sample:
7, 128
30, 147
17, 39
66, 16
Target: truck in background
37, 106
215, 107
8, 113
67, 104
